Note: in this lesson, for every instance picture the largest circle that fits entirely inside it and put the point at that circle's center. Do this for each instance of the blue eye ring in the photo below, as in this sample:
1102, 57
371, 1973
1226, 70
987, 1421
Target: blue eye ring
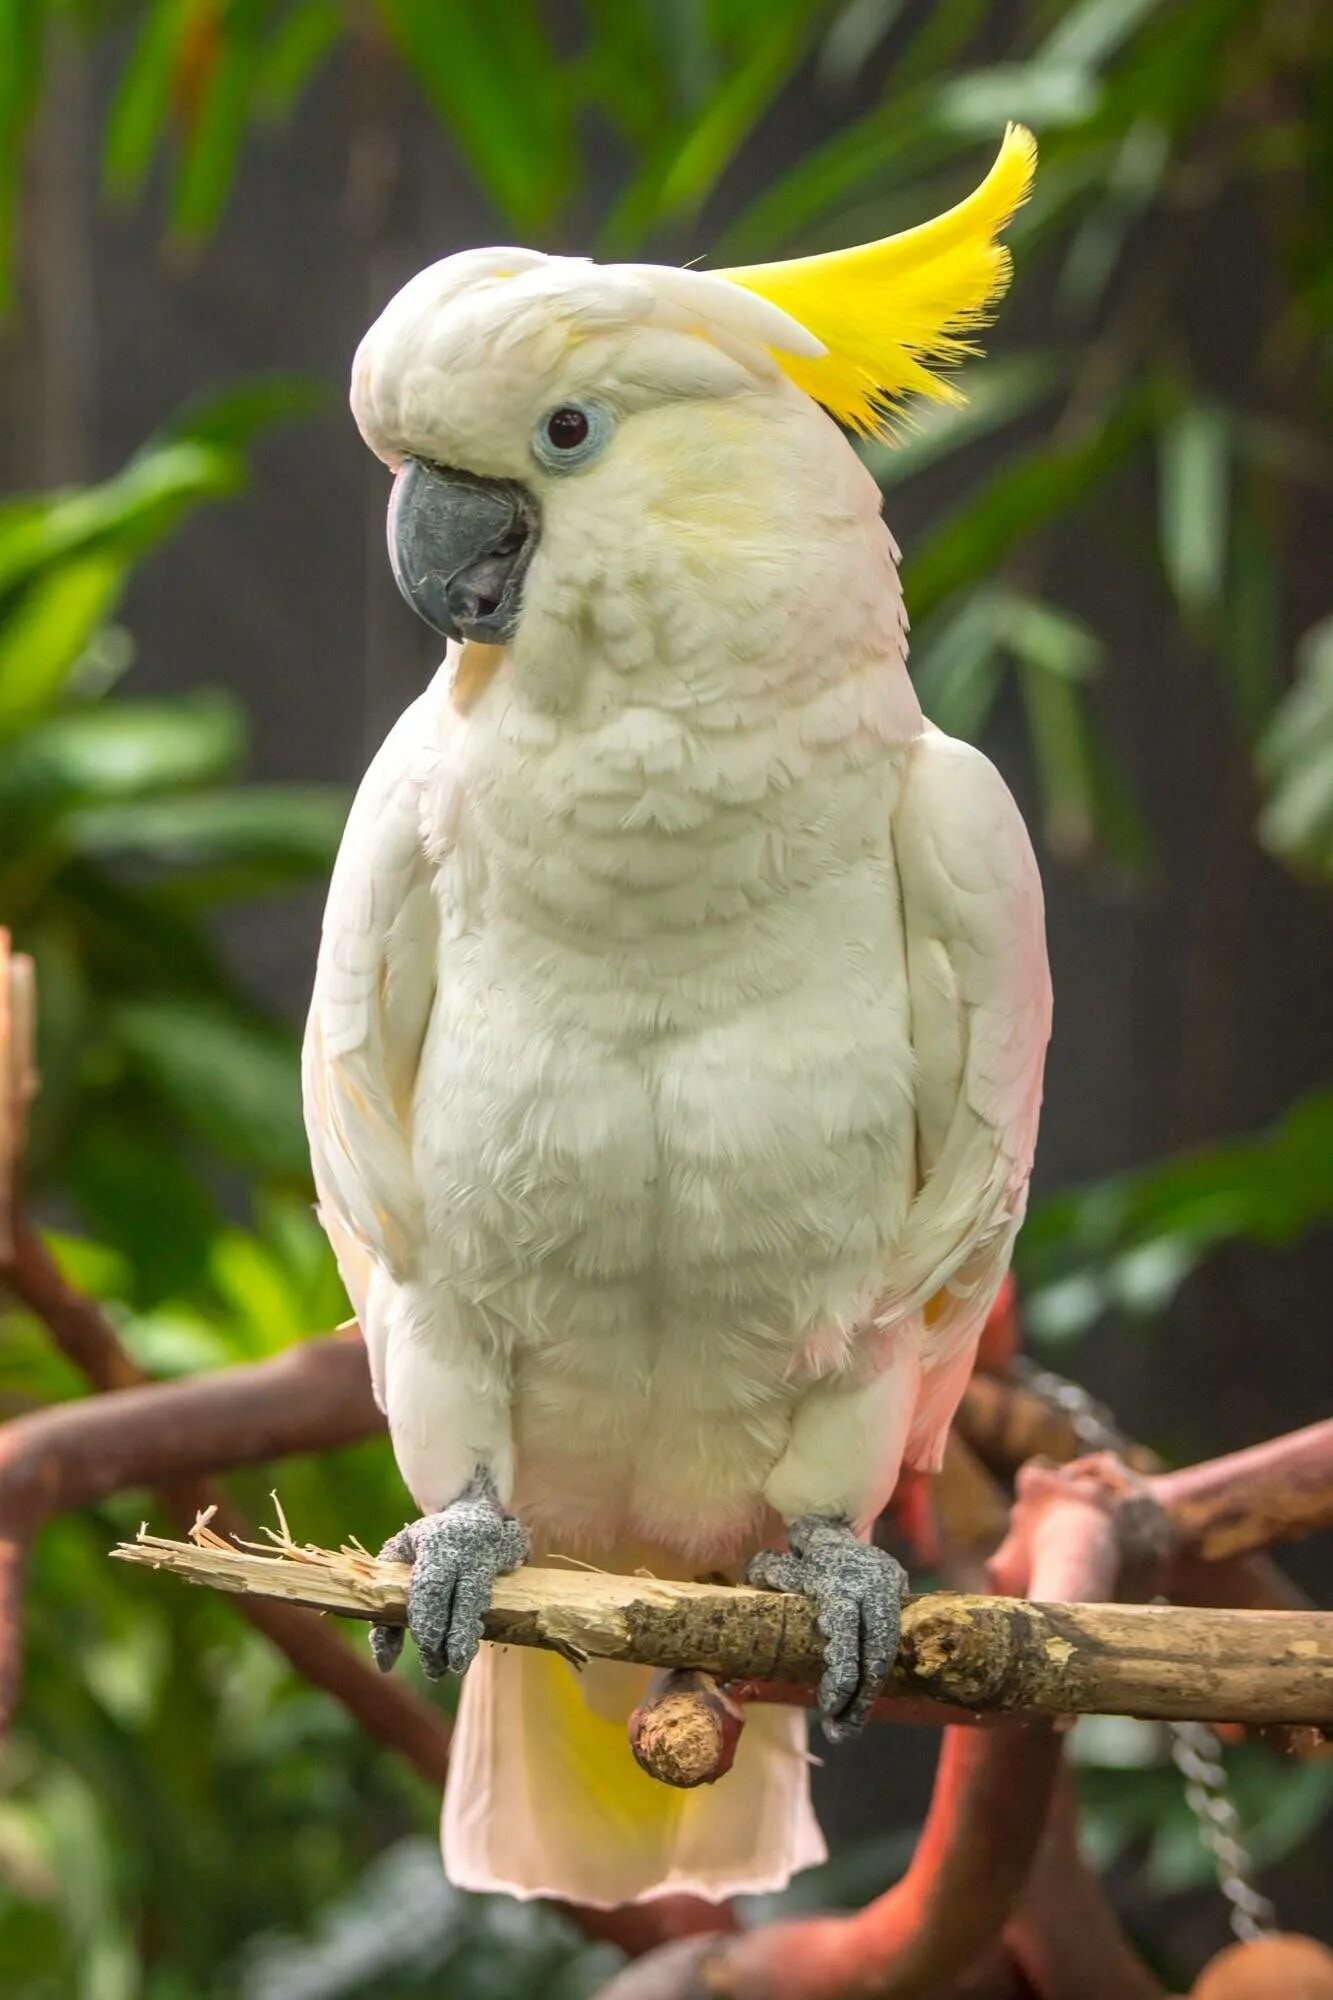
571, 436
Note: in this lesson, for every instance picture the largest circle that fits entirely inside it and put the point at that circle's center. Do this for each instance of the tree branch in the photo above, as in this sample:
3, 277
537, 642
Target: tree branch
977, 1653
987, 1811
54, 1461
390, 1711
240, 1416
1278, 1491
1005, 1423
1064, 1933
77, 1324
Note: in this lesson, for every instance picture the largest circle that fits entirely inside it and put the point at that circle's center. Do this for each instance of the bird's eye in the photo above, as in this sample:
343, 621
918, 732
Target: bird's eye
572, 435
566, 428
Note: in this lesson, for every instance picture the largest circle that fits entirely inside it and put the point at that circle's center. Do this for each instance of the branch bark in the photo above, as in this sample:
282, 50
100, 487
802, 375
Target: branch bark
240, 1416
54, 1461
1277, 1491
976, 1653
317, 1396
988, 1808
1006, 1423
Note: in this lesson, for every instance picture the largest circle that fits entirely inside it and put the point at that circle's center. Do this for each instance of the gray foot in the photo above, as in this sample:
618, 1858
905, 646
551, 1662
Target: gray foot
857, 1593
455, 1557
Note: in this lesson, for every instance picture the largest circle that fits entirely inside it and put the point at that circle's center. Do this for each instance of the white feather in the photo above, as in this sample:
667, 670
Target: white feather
679, 1019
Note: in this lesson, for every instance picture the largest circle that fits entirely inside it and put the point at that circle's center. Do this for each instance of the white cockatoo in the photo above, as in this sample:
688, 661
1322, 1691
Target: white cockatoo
674, 1062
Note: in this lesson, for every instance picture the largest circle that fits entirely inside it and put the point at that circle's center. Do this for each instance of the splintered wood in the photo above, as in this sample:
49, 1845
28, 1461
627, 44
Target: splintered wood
975, 1654
18, 1077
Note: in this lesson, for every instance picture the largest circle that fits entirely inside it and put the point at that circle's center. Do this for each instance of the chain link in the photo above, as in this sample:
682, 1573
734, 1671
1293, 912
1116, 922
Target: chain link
1093, 1425
1196, 1749
1196, 1754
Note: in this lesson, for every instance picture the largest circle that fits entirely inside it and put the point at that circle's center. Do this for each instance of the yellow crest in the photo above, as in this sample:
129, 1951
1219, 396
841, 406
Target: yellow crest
886, 311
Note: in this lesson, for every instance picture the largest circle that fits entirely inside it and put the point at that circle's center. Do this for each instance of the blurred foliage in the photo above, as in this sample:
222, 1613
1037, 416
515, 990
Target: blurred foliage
122, 835
1127, 1244
1153, 117
179, 1817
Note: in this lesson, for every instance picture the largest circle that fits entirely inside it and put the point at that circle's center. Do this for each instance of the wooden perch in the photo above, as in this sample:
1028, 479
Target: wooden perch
975, 1653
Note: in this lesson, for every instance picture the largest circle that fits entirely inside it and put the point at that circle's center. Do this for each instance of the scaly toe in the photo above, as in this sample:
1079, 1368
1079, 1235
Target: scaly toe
857, 1591
386, 1644
774, 1569
456, 1556
386, 1641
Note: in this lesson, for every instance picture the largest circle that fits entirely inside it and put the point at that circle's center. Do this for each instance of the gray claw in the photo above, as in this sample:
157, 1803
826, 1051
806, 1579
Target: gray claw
455, 1556
857, 1592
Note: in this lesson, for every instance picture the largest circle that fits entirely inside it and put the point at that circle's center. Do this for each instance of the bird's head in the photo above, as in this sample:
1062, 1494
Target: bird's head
567, 437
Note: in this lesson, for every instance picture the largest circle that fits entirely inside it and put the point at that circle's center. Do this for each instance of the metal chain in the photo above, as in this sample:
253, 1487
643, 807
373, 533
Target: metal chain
1196, 1749
1196, 1754
1093, 1425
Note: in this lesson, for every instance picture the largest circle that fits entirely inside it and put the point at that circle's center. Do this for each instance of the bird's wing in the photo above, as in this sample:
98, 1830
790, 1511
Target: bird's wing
980, 996
374, 988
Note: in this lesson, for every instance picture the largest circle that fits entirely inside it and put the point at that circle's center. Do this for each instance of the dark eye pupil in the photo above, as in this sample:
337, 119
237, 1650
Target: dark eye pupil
566, 428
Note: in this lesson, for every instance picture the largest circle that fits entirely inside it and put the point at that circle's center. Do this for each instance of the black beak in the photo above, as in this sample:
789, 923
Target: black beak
460, 547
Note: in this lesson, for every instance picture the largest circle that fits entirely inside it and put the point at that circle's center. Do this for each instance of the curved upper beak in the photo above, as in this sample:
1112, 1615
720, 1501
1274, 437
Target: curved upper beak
460, 547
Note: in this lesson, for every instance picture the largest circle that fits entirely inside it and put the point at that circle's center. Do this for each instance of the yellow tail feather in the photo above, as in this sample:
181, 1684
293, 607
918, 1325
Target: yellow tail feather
886, 311
545, 1799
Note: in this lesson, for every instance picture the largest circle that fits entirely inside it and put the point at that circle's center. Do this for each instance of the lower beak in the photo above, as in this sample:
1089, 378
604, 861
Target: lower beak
460, 548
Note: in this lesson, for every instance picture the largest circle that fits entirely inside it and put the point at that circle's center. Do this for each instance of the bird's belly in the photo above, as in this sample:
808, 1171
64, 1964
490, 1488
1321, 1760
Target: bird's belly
669, 1237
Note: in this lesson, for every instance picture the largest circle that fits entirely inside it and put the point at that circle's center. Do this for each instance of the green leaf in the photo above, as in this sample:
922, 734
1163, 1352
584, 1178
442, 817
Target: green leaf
43, 636
1042, 94
213, 142
234, 417
623, 68
293, 52
22, 25
1058, 732
1090, 32
285, 829
233, 1081
937, 45
141, 108
63, 1028
997, 393
687, 167
493, 80
1296, 762
1251, 641
1087, 800
1048, 638
1034, 487
125, 515
912, 132
1128, 187
853, 36
123, 1166
133, 939
957, 666
258, 1291
1081, 1253
123, 750
1193, 494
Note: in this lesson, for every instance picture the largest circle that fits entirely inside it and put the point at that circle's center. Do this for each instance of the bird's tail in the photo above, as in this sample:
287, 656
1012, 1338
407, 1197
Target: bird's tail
545, 1799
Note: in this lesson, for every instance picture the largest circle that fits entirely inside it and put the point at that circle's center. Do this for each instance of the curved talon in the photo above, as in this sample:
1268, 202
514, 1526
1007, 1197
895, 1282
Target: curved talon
857, 1591
456, 1556
386, 1641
